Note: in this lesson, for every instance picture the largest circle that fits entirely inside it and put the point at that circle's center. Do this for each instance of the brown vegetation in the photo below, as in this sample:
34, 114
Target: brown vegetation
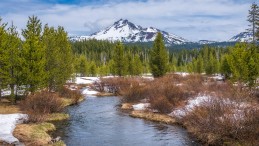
220, 121
163, 93
117, 85
40, 104
74, 95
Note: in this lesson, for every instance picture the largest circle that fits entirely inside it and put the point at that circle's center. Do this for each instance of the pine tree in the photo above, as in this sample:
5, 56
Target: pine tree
33, 53
120, 64
137, 65
253, 18
130, 63
14, 57
4, 64
52, 52
199, 66
159, 57
93, 69
225, 68
81, 65
65, 57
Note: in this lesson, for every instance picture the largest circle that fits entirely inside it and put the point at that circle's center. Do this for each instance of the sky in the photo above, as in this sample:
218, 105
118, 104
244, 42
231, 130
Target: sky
194, 20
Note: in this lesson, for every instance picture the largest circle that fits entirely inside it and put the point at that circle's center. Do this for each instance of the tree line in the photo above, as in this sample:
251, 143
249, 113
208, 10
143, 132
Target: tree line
40, 59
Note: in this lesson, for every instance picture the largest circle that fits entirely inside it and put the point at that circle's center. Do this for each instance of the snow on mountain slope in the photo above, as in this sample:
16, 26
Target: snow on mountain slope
242, 37
125, 31
204, 42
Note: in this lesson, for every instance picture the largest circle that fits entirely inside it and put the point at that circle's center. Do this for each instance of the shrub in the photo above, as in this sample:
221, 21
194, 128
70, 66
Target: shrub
134, 94
161, 104
75, 95
194, 84
38, 105
172, 90
119, 85
220, 121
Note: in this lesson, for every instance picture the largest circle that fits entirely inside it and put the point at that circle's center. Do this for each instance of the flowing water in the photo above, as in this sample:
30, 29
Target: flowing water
98, 122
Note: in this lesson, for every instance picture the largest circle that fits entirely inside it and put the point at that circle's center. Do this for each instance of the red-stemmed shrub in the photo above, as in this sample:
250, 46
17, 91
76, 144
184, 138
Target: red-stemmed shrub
39, 104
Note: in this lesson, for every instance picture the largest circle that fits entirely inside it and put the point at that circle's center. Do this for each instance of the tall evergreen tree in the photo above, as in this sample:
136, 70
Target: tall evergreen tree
199, 67
137, 65
14, 57
120, 64
159, 57
81, 65
4, 64
33, 53
225, 68
253, 18
65, 57
52, 54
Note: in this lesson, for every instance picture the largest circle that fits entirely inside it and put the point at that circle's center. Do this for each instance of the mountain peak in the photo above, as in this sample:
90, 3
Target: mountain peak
126, 31
125, 23
121, 21
242, 37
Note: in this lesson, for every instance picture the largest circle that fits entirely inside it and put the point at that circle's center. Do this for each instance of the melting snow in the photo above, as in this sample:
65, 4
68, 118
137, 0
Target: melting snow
182, 73
141, 106
7, 125
86, 80
89, 92
190, 105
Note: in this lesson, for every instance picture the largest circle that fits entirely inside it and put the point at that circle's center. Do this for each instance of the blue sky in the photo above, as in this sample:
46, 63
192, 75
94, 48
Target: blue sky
191, 19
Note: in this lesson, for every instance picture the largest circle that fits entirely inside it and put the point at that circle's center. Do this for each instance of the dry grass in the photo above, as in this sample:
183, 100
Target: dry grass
7, 108
34, 134
57, 117
69, 102
153, 117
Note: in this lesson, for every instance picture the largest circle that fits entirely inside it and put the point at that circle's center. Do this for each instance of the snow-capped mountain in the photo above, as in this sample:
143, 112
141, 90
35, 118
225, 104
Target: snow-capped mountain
242, 37
125, 31
204, 42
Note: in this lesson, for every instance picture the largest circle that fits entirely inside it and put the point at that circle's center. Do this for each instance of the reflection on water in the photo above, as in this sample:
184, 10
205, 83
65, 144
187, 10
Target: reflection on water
96, 122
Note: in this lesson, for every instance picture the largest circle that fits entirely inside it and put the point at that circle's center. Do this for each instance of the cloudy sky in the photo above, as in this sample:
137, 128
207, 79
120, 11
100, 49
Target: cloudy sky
194, 20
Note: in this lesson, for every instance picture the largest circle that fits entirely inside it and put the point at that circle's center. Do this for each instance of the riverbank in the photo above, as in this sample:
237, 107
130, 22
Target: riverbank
140, 111
35, 133
196, 102
147, 115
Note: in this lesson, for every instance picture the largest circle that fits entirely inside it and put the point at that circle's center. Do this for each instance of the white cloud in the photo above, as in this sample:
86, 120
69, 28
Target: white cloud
191, 19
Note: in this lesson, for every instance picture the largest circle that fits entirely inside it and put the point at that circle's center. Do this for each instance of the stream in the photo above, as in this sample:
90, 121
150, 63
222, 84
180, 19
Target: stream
98, 122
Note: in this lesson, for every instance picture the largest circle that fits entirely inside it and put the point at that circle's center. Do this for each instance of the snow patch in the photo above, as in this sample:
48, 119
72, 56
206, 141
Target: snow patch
86, 80
148, 77
7, 125
141, 106
89, 92
182, 73
190, 105
218, 77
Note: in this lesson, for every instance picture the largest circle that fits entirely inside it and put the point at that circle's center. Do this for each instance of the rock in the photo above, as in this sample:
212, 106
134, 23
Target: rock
126, 106
56, 139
